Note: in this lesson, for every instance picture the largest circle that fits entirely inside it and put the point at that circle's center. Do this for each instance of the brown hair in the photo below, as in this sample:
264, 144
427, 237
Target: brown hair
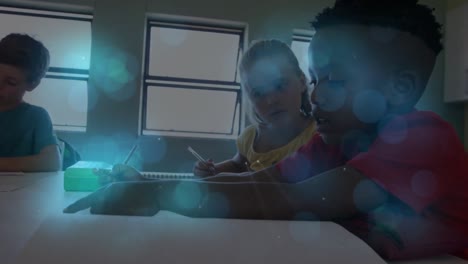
26, 53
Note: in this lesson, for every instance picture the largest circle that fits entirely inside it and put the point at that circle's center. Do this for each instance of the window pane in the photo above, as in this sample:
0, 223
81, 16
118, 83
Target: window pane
65, 100
185, 53
190, 110
68, 41
300, 49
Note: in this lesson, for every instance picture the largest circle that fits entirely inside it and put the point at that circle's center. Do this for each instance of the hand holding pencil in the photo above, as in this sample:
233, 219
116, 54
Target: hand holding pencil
119, 172
202, 167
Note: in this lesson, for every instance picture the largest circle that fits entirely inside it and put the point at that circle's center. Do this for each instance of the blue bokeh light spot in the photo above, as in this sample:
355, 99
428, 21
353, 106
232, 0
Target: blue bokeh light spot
369, 106
187, 195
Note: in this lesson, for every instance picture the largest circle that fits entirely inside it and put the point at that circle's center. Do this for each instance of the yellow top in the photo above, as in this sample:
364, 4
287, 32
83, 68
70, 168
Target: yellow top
263, 160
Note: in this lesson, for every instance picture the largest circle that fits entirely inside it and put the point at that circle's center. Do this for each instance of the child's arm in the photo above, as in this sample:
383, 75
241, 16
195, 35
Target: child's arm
339, 193
235, 165
270, 174
48, 159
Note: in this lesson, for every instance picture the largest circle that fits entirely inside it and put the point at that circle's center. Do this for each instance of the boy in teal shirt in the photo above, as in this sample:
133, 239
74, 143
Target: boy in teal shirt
27, 140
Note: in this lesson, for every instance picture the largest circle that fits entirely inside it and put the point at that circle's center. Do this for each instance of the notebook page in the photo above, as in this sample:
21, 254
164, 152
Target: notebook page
12, 181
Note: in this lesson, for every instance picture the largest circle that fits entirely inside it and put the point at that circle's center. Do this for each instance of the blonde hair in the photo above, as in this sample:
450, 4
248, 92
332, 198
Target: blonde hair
267, 48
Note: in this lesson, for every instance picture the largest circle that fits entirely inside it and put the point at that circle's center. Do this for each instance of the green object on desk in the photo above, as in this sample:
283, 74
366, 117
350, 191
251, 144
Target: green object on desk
80, 177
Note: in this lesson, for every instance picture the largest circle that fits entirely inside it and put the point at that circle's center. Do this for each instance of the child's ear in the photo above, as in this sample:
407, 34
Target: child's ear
403, 88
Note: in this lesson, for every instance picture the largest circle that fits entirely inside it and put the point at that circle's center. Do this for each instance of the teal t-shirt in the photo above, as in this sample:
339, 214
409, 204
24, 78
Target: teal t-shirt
25, 130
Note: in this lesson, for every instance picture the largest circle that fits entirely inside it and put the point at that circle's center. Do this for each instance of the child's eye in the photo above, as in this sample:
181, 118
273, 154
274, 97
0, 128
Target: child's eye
280, 86
256, 94
12, 83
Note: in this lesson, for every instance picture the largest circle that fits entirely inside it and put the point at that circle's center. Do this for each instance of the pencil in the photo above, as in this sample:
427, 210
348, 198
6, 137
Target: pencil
194, 153
130, 154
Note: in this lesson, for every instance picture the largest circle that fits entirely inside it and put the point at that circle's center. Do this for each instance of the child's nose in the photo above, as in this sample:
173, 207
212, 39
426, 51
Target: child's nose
314, 98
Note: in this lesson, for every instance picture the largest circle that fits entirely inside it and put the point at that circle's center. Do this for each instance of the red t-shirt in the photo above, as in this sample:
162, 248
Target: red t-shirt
313, 158
419, 159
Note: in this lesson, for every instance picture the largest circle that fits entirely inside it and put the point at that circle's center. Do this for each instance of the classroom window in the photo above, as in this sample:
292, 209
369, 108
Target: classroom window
191, 85
64, 90
300, 46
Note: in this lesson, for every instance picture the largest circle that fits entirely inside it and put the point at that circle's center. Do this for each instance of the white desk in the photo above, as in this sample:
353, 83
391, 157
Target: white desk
166, 237
22, 210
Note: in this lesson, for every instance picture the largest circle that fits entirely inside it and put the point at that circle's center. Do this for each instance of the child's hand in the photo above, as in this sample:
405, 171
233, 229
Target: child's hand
120, 172
204, 169
104, 176
121, 198
124, 172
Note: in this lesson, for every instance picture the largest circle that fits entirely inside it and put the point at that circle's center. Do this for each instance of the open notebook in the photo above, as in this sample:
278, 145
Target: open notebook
171, 238
81, 177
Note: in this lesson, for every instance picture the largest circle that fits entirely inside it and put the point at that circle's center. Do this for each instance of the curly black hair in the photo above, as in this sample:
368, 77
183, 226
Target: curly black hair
404, 15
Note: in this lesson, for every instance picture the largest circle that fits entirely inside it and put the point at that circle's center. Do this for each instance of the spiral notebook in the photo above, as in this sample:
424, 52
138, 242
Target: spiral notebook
154, 175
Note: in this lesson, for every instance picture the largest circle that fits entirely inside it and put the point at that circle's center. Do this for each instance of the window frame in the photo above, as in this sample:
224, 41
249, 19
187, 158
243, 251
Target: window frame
191, 83
302, 35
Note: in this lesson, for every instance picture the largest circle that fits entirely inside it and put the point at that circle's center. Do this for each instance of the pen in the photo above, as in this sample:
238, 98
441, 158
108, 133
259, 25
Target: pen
194, 153
130, 154
200, 158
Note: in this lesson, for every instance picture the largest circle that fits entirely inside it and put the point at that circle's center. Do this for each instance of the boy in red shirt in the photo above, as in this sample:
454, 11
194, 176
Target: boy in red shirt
370, 62
400, 180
